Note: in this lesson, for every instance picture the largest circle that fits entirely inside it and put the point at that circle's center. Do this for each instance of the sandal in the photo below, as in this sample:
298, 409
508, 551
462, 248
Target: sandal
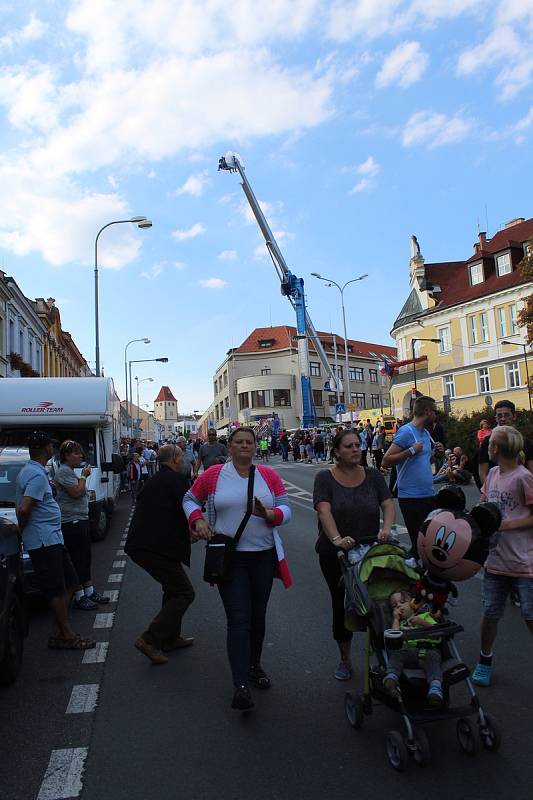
74, 643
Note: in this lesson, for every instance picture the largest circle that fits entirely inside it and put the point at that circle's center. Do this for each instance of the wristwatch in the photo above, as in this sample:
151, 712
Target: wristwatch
412, 451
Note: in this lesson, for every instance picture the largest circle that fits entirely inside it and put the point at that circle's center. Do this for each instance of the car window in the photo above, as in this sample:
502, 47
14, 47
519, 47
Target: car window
8, 479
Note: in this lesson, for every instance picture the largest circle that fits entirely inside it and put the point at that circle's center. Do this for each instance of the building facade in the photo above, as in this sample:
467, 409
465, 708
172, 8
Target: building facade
24, 333
470, 309
4, 299
61, 357
260, 378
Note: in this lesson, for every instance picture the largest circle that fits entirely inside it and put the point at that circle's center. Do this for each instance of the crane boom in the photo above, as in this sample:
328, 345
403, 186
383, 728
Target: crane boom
293, 288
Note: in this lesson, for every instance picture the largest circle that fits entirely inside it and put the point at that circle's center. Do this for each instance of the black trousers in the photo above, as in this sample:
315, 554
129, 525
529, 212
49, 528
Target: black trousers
77, 538
178, 594
414, 511
329, 564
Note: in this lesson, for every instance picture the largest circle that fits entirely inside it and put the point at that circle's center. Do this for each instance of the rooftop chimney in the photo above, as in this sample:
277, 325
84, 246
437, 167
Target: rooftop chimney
482, 240
515, 221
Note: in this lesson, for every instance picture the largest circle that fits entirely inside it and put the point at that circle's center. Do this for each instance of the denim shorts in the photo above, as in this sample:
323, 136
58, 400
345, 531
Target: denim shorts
496, 589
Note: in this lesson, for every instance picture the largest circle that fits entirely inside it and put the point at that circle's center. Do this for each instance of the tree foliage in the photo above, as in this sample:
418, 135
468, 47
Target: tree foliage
461, 431
525, 317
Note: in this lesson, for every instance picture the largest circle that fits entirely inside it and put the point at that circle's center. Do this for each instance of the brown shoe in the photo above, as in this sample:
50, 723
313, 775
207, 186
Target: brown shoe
178, 644
151, 652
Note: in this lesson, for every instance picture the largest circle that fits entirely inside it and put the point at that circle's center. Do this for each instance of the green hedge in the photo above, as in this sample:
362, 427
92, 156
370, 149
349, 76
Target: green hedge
461, 431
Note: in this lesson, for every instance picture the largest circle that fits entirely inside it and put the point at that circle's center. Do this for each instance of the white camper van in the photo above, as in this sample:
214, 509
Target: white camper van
83, 409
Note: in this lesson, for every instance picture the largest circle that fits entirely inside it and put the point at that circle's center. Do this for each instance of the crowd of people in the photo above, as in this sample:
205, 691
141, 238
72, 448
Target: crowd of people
213, 491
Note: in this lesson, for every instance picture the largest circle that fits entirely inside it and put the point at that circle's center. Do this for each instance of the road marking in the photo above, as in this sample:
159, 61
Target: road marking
298, 491
115, 577
96, 656
62, 778
119, 564
112, 594
83, 699
120, 552
104, 620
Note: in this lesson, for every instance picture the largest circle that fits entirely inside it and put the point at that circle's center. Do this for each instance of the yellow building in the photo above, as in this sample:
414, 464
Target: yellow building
470, 309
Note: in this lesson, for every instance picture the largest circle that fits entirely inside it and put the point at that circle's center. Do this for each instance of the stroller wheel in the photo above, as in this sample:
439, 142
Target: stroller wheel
421, 751
353, 707
396, 751
467, 736
490, 734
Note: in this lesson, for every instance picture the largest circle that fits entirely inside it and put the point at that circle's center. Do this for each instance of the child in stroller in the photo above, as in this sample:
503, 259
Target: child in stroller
420, 653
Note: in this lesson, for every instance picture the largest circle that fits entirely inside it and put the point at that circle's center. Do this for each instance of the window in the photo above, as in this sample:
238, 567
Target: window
332, 399
445, 344
476, 273
266, 371
314, 369
266, 342
484, 380
282, 397
415, 348
514, 319
473, 330
502, 322
11, 336
317, 397
356, 374
21, 343
261, 398
359, 398
225, 379
503, 264
513, 374
375, 400
339, 372
373, 375
449, 385
484, 326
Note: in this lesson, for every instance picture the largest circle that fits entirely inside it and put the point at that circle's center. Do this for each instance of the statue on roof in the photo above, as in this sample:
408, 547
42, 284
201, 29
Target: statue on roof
415, 248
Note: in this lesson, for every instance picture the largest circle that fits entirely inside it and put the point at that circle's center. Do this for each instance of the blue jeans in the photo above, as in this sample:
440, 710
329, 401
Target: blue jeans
245, 601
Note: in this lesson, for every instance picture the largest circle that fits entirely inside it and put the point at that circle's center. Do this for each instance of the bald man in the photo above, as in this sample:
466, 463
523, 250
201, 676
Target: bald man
159, 542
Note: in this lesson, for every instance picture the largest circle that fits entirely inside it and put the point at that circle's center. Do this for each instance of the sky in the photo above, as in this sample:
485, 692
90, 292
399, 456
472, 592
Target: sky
360, 122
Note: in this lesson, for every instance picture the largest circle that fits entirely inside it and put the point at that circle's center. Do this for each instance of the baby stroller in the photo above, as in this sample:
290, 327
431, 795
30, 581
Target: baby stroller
368, 588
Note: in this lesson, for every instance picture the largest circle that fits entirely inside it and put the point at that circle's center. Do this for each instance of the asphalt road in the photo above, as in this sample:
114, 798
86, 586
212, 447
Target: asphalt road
169, 732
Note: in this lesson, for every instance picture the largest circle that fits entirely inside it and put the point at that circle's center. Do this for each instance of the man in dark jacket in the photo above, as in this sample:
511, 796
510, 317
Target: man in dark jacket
159, 542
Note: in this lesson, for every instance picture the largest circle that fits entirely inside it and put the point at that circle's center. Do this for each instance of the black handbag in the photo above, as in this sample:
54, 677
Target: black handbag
220, 550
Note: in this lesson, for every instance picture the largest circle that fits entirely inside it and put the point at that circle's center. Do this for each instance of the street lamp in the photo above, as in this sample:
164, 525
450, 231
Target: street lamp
138, 406
142, 361
128, 407
141, 222
416, 339
330, 282
521, 344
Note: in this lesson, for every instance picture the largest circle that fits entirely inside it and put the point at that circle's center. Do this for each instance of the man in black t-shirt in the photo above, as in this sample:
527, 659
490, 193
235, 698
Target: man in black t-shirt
505, 413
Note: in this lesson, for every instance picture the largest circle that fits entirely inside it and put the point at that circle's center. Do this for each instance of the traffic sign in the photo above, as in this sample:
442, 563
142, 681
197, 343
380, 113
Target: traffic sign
351, 406
488, 400
340, 408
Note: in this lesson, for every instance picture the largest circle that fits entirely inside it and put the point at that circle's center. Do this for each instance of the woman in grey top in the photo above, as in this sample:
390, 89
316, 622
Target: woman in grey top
348, 498
74, 505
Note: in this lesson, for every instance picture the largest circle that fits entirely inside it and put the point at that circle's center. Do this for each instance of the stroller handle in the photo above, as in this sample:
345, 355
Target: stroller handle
445, 631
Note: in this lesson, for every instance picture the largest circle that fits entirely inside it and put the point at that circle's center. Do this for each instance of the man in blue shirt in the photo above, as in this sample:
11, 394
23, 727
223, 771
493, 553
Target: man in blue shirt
39, 521
411, 452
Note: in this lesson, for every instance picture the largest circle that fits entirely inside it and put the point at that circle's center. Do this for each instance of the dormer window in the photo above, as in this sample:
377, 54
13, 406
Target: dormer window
503, 264
266, 342
476, 273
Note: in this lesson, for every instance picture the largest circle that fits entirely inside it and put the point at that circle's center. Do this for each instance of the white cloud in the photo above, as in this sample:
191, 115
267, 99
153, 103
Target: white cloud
179, 265
189, 233
195, 184
434, 130
31, 32
369, 169
212, 283
508, 52
227, 255
404, 66
154, 271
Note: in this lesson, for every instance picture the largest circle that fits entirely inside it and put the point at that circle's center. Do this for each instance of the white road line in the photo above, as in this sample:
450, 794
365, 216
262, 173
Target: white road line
119, 564
104, 620
96, 656
112, 594
83, 698
120, 552
62, 778
115, 577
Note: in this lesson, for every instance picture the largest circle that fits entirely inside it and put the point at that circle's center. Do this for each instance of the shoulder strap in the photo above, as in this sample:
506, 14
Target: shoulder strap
249, 506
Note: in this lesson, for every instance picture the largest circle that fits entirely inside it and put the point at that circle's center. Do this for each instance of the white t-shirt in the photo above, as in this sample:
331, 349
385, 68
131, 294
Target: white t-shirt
230, 506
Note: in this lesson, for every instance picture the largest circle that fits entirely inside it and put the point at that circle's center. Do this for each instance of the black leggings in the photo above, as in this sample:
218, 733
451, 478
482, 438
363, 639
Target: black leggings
329, 564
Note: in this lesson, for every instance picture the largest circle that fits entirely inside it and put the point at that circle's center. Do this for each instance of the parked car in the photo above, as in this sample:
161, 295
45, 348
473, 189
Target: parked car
13, 621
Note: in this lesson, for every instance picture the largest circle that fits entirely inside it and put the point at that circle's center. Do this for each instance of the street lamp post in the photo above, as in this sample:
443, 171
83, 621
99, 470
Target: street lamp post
416, 339
128, 406
524, 346
141, 222
330, 282
163, 360
138, 406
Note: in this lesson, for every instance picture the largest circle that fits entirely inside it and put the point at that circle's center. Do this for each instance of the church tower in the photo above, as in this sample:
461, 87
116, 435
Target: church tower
165, 406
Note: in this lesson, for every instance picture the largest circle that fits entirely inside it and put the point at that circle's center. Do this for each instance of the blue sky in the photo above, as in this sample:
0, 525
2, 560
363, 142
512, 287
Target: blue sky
360, 122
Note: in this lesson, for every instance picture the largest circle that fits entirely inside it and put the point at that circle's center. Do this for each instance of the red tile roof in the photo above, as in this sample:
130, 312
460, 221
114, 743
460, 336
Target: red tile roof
453, 276
282, 337
165, 395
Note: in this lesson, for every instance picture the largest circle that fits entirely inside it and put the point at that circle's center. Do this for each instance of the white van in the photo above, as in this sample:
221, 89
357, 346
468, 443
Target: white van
83, 409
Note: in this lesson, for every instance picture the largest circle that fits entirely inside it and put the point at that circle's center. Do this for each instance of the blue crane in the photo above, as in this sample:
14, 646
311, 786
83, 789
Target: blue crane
292, 287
